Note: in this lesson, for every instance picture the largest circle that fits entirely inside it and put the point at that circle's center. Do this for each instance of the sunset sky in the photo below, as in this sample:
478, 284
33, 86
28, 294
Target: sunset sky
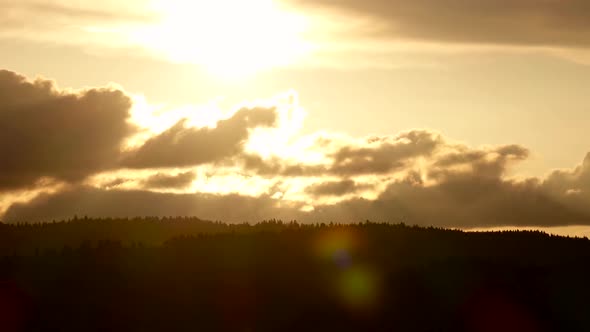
454, 113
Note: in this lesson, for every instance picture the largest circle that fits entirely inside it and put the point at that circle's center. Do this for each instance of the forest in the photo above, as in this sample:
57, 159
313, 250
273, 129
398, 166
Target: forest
186, 274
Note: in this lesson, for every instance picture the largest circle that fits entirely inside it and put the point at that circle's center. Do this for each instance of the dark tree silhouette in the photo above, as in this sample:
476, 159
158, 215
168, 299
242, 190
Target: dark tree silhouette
183, 274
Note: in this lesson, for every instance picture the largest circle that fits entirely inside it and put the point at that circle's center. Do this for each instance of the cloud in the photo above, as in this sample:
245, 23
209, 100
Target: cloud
465, 197
119, 203
51, 135
489, 163
418, 176
36, 13
68, 10
387, 155
384, 154
105, 26
162, 180
458, 203
576, 180
336, 188
435, 181
373, 155
188, 146
517, 22
60, 134
572, 187
472, 196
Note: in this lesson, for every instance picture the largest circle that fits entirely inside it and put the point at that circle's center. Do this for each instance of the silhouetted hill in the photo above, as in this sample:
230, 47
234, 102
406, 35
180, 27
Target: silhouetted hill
183, 274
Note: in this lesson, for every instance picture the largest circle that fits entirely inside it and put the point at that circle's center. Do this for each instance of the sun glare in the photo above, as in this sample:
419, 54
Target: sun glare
229, 38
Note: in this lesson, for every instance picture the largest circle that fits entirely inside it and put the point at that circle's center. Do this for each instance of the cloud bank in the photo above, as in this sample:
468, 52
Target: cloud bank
465, 199
419, 176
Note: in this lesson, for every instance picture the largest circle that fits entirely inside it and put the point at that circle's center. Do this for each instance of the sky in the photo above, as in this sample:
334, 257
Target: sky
451, 113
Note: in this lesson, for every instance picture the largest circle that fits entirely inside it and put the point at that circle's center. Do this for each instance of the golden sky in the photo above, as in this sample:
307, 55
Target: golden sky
448, 112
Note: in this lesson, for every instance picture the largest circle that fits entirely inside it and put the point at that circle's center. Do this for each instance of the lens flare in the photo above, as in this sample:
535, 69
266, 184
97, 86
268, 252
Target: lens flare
358, 287
356, 284
337, 247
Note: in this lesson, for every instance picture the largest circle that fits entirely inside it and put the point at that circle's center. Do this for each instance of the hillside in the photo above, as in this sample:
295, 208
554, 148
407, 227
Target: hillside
183, 274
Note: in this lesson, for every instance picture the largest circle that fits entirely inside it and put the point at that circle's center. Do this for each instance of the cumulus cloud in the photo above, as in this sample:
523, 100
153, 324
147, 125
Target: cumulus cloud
465, 197
575, 181
516, 22
51, 134
188, 146
162, 180
489, 163
60, 134
384, 154
474, 196
436, 181
572, 187
418, 176
373, 155
477, 195
462, 201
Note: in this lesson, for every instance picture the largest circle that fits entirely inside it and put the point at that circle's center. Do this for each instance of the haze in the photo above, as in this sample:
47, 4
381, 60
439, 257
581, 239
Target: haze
452, 113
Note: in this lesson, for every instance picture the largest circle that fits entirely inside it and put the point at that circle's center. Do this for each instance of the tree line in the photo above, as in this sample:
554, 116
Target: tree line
185, 274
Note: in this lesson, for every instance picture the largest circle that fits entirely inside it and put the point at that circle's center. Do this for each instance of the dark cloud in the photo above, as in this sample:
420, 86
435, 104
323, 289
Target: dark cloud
463, 198
375, 155
519, 22
381, 155
47, 132
163, 181
486, 163
336, 188
115, 183
274, 166
93, 202
460, 202
390, 154
187, 146
470, 197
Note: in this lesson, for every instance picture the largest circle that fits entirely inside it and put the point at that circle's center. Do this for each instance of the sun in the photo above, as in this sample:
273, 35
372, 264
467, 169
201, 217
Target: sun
229, 38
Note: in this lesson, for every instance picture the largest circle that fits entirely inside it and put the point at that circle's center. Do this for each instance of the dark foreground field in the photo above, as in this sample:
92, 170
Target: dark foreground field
189, 275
